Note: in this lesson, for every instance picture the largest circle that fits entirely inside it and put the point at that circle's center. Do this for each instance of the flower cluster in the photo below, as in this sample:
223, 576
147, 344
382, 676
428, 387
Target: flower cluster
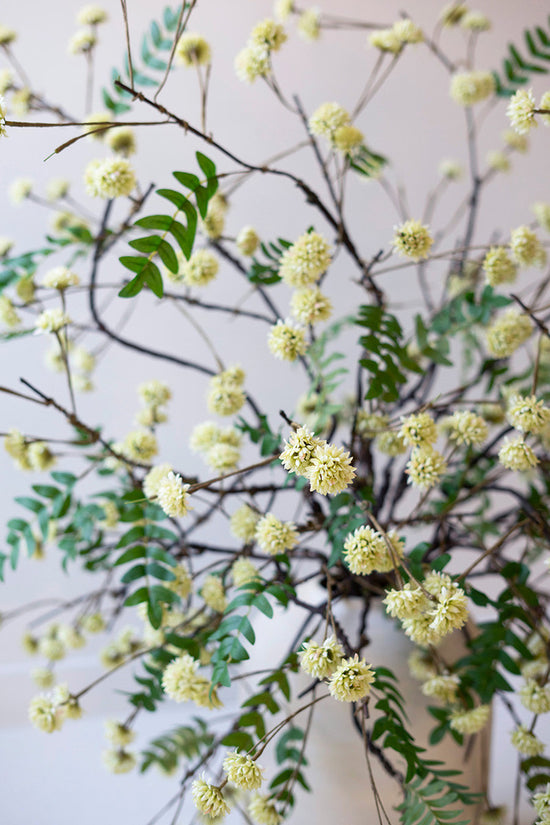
465, 427
305, 261
498, 267
275, 536
321, 661
192, 50
526, 248
109, 178
327, 467
426, 467
366, 550
286, 341
208, 799
226, 395
255, 59
242, 771
507, 333
352, 680
527, 414
243, 523
431, 612
333, 122
468, 88
182, 682
515, 454
468, 722
412, 240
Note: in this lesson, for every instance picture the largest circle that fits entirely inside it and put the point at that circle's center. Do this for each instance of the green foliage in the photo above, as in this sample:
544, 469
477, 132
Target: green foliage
429, 791
427, 802
366, 163
233, 625
345, 515
326, 376
461, 312
386, 357
516, 69
267, 273
182, 743
262, 434
156, 41
145, 271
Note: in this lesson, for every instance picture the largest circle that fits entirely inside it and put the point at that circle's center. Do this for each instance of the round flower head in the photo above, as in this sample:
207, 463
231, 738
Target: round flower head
263, 811
299, 450
305, 261
320, 661
242, 771
467, 428
153, 478
179, 677
468, 88
534, 697
526, 248
347, 139
283, 9
452, 14
208, 799
309, 25
418, 430
20, 189
406, 603
451, 610
386, 40
118, 734
172, 495
45, 714
541, 803
43, 677
425, 467
183, 583
8, 313
213, 224
521, 111
244, 571
351, 680
94, 123
51, 320
390, 443
443, 688
248, 240
117, 760
109, 178
91, 16
7, 35
6, 80
93, 623
213, 594
526, 743
121, 141
507, 333
545, 104
82, 42
471, 721
252, 62
139, 446
515, 454
154, 393
242, 523
475, 21
268, 35
40, 456
201, 268
498, 161
275, 536
286, 342
541, 212
330, 471
412, 240
204, 436
450, 169
57, 188
60, 278
368, 425
193, 50
407, 32
518, 143
21, 102
223, 458
224, 398
498, 267
327, 119
527, 414
310, 306
365, 550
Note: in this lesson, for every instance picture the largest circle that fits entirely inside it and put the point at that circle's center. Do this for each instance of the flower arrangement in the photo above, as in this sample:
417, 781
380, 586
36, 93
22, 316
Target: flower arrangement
410, 471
